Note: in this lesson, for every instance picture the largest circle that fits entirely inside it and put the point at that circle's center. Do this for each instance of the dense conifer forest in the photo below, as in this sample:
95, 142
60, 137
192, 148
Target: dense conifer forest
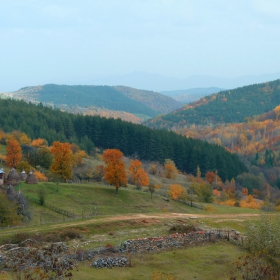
133, 140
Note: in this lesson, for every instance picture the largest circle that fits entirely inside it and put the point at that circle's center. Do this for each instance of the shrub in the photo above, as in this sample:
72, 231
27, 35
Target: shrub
185, 228
42, 196
70, 234
209, 208
229, 202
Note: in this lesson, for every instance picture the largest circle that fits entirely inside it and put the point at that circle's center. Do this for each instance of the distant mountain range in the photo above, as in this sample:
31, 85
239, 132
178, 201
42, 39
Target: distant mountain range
159, 83
94, 99
229, 106
192, 94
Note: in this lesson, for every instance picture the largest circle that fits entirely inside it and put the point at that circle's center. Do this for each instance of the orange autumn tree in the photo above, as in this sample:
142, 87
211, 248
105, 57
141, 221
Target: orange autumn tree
115, 173
250, 202
62, 164
13, 155
139, 175
39, 143
41, 177
210, 177
176, 191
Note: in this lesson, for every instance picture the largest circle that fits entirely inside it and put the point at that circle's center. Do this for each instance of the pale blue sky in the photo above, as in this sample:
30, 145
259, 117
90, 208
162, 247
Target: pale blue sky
76, 42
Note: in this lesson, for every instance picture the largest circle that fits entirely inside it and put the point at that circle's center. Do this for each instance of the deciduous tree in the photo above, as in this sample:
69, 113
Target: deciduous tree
139, 175
210, 177
176, 191
152, 188
24, 139
39, 143
263, 244
13, 155
62, 164
115, 173
204, 192
8, 212
170, 169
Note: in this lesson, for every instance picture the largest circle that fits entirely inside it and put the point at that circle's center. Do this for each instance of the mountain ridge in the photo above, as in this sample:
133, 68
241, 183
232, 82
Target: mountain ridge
88, 99
229, 106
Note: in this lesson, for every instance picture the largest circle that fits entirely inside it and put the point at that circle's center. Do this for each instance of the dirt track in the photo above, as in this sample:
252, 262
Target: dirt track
136, 217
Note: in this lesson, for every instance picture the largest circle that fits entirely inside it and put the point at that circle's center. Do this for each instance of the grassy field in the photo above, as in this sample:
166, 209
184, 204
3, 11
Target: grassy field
208, 262
103, 218
205, 262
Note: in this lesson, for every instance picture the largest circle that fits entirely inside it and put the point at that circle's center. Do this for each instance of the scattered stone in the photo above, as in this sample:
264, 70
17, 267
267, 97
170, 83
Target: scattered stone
7, 247
110, 262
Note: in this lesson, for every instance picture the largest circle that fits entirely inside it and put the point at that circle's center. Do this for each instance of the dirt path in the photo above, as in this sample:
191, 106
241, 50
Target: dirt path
136, 217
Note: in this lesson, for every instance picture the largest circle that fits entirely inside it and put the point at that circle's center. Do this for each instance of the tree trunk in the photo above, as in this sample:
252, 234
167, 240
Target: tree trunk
117, 191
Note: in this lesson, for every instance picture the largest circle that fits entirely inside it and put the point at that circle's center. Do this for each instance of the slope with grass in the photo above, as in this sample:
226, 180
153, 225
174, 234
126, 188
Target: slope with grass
129, 215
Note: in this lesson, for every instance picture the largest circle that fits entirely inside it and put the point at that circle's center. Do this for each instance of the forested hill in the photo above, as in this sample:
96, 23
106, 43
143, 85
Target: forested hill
151, 99
138, 102
230, 106
133, 140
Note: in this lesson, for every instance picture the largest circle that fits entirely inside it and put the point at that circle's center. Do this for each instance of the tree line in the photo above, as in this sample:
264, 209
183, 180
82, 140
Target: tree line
138, 141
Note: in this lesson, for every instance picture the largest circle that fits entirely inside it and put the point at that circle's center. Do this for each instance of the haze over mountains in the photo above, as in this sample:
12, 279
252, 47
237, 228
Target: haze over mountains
159, 83
192, 94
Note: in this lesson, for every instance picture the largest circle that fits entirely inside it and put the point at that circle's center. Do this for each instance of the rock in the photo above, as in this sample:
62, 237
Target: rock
7, 247
110, 262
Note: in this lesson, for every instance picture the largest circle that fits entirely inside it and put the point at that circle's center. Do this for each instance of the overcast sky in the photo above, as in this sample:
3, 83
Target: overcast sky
65, 41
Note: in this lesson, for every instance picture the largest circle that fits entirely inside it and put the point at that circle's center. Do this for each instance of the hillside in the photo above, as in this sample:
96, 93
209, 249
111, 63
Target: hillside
153, 100
130, 215
230, 106
87, 99
133, 140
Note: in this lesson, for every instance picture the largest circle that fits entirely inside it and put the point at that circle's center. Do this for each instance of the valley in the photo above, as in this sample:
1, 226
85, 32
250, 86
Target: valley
216, 176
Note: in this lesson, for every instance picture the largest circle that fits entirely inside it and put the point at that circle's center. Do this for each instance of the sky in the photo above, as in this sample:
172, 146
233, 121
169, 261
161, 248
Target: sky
78, 42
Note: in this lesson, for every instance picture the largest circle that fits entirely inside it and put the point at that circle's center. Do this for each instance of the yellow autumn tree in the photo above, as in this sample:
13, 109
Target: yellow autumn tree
24, 139
250, 202
170, 169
